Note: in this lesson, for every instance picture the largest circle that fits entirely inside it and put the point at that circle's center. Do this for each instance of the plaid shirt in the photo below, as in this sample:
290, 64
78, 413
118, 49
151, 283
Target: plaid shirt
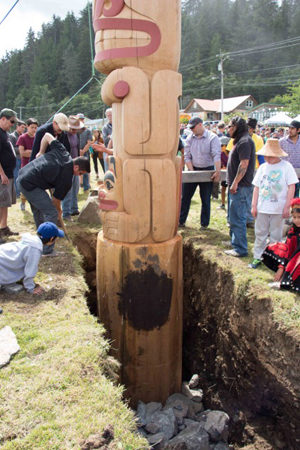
293, 151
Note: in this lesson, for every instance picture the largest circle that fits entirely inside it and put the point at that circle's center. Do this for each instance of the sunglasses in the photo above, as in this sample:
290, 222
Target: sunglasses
12, 121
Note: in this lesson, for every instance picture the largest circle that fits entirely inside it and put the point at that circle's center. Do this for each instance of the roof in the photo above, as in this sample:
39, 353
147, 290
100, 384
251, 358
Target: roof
229, 104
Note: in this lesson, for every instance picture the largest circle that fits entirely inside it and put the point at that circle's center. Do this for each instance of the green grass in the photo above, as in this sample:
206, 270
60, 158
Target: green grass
56, 391
248, 282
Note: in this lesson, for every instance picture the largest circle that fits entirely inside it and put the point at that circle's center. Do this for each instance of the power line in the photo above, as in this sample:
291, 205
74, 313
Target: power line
263, 70
272, 46
8, 12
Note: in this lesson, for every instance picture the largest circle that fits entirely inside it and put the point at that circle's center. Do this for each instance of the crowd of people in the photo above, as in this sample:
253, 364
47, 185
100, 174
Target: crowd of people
42, 166
258, 200
45, 166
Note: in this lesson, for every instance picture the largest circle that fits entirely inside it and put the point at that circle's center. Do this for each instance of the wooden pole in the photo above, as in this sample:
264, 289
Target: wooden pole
139, 254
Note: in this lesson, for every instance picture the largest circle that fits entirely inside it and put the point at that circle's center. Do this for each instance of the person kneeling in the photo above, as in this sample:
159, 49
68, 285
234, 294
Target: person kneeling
19, 260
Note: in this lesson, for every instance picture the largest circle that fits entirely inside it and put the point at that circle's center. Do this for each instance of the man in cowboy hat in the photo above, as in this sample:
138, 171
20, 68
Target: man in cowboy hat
70, 202
274, 187
291, 145
57, 128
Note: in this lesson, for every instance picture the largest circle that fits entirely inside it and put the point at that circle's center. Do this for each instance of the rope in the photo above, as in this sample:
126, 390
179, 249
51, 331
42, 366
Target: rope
9, 12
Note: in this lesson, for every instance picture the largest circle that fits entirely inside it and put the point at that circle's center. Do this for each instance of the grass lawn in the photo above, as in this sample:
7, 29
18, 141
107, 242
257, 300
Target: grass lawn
58, 389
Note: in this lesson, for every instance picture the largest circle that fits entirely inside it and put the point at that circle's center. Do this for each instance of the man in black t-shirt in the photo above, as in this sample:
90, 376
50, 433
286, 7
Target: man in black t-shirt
240, 174
53, 170
7, 165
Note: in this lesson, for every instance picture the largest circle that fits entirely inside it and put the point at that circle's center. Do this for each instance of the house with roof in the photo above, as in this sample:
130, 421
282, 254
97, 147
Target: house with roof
264, 111
211, 109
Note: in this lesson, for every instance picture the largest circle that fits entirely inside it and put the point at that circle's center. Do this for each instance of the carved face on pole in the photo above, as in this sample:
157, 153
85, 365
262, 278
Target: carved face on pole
139, 33
111, 191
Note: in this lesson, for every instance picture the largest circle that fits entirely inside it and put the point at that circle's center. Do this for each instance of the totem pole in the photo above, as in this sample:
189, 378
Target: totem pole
139, 254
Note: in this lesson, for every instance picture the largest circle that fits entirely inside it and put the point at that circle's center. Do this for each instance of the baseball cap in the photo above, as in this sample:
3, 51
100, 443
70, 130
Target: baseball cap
62, 121
295, 124
48, 229
194, 121
6, 112
80, 116
224, 140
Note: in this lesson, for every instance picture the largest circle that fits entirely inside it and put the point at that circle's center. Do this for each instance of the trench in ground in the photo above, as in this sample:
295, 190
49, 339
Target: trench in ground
248, 366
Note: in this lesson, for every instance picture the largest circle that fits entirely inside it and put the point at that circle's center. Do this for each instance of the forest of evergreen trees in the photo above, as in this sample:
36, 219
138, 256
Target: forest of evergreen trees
56, 63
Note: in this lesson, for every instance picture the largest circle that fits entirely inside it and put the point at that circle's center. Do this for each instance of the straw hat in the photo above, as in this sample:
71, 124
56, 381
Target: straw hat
75, 123
272, 148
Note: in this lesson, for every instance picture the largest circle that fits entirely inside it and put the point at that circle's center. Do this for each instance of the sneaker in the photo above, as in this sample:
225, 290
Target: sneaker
255, 264
233, 253
181, 225
274, 285
12, 288
68, 218
22, 206
76, 213
221, 207
204, 227
7, 232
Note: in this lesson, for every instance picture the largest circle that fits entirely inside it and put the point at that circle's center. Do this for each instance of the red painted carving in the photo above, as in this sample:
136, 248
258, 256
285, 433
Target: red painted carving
128, 24
114, 10
121, 89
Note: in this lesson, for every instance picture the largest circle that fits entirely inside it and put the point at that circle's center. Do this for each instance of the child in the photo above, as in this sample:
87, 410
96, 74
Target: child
274, 189
224, 159
19, 260
284, 259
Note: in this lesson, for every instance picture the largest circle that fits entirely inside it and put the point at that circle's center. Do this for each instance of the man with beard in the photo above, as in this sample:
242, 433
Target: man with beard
240, 174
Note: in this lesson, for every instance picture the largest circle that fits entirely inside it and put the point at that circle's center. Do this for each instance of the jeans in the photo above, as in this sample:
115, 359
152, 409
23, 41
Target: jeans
188, 191
42, 209
250, 218
105, 162
85, 176
70, 202
16, 174
95, 161
237, 208
297, 190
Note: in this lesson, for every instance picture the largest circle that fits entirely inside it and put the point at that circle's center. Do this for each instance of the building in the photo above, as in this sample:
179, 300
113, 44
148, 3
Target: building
211, 109
264, 111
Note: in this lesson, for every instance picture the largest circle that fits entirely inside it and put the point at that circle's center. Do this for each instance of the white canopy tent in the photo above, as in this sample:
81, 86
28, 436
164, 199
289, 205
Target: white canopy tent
280, 118
297, 118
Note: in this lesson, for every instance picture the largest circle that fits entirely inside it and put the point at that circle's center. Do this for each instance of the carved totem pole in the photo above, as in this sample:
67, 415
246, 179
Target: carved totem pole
139, 254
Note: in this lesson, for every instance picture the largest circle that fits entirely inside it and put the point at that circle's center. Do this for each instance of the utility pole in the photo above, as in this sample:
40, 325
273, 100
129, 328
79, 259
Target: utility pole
221, 69
20, 108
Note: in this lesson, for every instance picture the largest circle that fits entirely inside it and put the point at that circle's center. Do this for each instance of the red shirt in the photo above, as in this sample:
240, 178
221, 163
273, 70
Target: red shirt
27, 142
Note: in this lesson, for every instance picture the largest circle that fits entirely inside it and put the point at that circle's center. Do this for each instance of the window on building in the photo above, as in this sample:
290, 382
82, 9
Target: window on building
249, 104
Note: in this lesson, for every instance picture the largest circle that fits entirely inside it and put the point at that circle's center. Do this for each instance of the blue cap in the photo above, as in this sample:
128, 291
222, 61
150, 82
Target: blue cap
48, 229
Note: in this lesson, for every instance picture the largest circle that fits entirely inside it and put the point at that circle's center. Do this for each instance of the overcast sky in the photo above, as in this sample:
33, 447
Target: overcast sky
30, 13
